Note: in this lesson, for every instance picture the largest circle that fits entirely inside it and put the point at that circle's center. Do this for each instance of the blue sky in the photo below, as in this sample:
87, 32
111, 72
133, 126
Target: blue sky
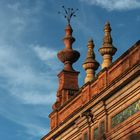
31, 34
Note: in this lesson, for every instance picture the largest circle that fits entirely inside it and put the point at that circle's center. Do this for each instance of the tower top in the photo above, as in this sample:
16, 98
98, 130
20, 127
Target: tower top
107, 30
90, 64
107, 50
68, 56
68, 77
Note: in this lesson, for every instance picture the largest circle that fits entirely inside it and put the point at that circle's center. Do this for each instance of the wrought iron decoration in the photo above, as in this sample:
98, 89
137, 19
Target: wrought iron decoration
68, 13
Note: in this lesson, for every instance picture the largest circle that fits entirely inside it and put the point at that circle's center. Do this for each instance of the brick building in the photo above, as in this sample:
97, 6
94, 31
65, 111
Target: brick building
107, 106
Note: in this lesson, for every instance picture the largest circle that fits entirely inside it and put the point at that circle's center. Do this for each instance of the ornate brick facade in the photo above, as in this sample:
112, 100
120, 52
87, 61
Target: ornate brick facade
104, 108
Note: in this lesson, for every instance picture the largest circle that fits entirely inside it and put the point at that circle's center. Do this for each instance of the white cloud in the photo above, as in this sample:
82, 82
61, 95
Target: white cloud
25, 86
36, 98
44, 53
23, 81
15, 6
111, 5
49, 56
35, 130
18, 18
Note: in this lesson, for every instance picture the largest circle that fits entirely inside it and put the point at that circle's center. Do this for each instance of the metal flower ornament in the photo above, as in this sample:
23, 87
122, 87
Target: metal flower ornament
68, 13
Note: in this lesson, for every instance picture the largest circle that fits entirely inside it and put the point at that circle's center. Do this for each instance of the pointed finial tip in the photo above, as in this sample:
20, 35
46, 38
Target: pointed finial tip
107, 27
107, 23
90, 40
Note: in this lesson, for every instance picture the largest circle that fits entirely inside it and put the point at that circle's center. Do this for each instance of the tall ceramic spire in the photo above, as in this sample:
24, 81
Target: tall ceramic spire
68, 56
90, 65
107, 50
68, 77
